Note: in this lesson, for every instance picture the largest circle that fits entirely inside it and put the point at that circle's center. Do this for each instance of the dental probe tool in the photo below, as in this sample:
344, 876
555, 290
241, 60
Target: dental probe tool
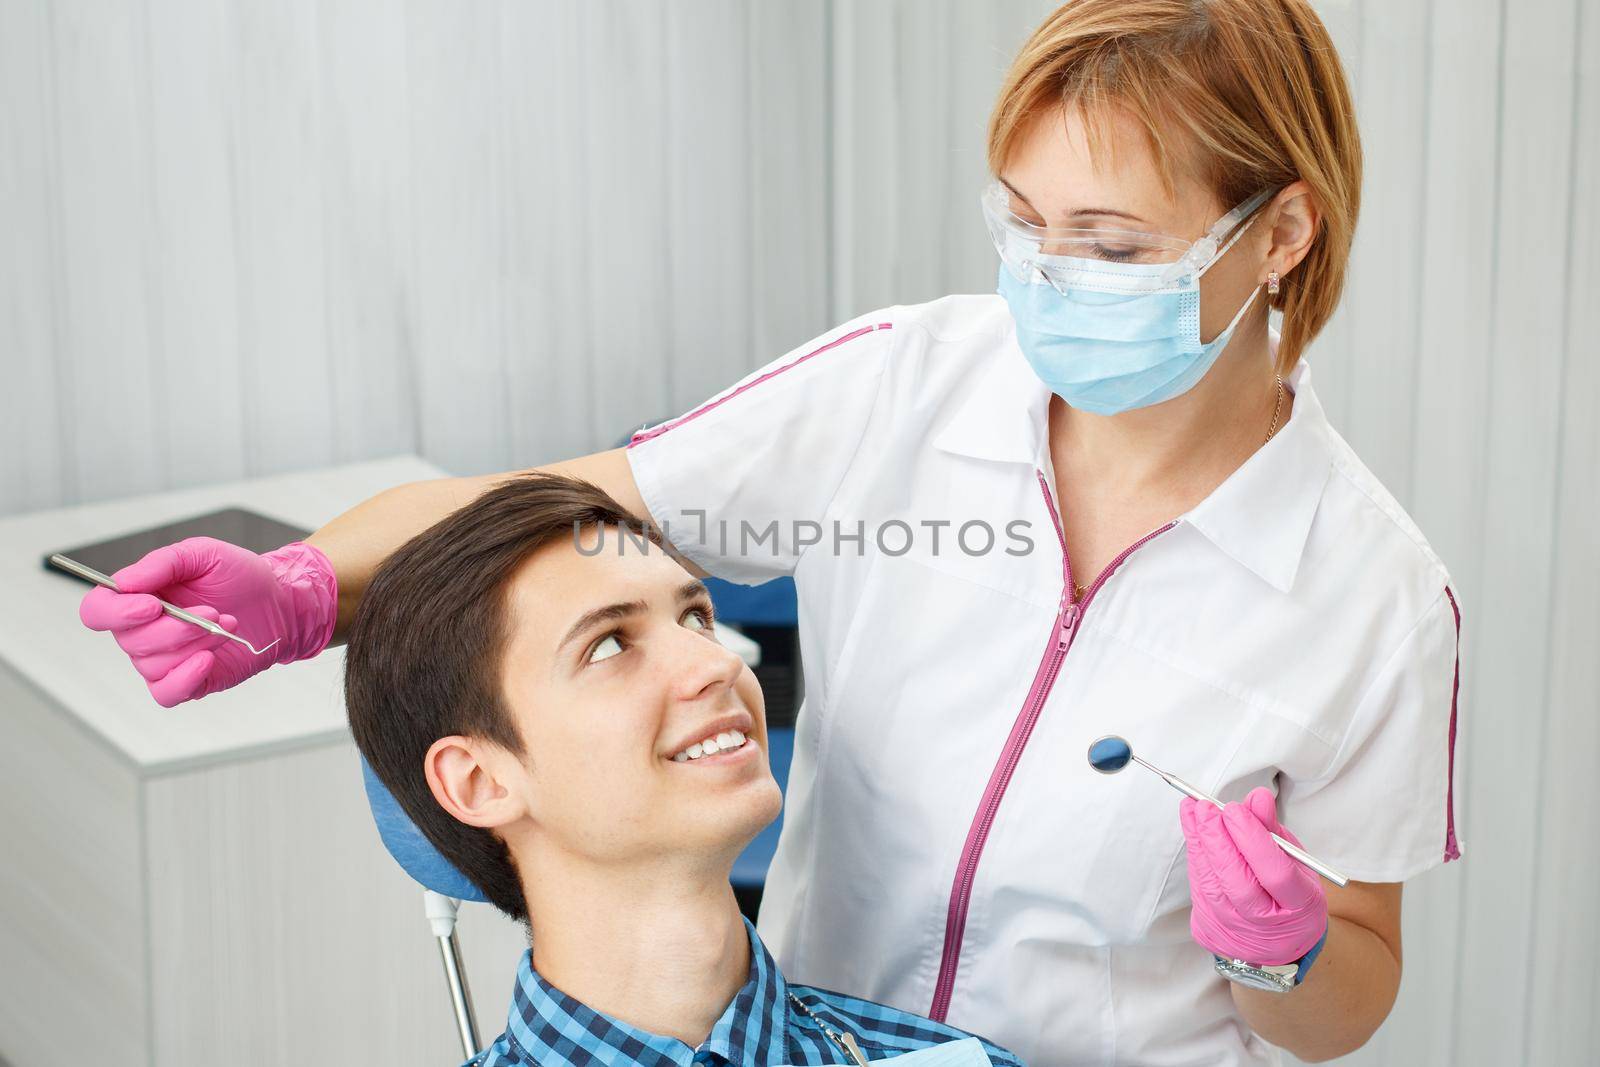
72, 566
1110, 754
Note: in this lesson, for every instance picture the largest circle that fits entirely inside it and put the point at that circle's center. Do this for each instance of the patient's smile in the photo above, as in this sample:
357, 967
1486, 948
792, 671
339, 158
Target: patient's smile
729, 741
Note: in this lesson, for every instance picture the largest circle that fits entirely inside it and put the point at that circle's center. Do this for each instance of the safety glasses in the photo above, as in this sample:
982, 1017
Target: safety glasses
1063, 256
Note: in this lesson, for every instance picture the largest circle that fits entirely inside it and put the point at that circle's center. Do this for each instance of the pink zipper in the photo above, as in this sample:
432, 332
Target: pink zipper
1068, 616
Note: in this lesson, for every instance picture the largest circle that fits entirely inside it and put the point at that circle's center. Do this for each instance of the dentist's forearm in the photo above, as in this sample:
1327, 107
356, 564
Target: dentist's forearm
1340, 1005
358, 541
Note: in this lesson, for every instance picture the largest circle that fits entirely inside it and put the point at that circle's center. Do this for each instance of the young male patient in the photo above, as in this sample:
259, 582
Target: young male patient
565, 728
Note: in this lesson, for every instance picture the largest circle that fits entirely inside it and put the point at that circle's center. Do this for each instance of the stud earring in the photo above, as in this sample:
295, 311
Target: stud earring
1272, 283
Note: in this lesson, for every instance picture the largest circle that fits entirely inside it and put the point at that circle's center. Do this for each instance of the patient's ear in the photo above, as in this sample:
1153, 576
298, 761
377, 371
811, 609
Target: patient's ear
469, 778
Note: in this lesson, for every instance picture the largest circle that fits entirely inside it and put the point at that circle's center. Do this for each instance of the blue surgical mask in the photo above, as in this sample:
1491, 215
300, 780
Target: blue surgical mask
1109, 337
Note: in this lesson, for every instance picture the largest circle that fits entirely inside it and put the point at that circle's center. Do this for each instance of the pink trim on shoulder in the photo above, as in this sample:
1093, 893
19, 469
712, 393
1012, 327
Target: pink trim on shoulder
1452, 851
646, 435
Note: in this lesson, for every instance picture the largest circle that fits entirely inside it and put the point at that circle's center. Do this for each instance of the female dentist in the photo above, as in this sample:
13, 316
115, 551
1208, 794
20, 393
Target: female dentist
1106, 500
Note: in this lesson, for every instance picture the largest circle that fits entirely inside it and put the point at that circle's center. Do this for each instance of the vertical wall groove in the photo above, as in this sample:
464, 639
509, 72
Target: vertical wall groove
71, 483
1421, 244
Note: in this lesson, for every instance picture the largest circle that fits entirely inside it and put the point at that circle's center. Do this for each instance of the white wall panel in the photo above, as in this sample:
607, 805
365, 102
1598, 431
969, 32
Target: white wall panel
38, 468
1520, 435
109, 322
708, 237
364, 168
545, 238
246, 237
791, 150
1381, 299
1456, 236
284, 297
626, 259
1563, 951
192, 49
460, 186
862, 109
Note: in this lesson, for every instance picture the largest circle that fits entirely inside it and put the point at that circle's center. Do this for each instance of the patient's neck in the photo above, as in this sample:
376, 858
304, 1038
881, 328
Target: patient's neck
659, 947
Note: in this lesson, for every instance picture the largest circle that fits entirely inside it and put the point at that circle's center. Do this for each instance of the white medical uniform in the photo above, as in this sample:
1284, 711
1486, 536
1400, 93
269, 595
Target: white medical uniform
1294, 630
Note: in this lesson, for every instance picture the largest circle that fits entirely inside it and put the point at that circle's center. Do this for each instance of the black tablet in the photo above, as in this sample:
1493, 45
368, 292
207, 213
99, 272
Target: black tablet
235, 525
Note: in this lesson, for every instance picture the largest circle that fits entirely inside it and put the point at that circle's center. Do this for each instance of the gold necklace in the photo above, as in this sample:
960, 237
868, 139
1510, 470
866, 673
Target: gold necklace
1277, 409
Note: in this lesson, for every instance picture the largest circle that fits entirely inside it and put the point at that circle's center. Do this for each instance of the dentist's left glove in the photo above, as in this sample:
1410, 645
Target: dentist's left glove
289, 595
1251, 901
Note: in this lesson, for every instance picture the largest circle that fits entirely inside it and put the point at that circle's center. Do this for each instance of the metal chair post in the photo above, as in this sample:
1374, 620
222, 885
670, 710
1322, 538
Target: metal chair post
441, 912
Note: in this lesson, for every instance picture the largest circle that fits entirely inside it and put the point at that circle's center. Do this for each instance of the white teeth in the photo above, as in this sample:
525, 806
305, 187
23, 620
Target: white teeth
723, 742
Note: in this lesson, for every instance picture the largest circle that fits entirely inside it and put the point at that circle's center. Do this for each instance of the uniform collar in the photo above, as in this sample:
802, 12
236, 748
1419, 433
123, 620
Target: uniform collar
1006, 415
1260, 516
750, 1033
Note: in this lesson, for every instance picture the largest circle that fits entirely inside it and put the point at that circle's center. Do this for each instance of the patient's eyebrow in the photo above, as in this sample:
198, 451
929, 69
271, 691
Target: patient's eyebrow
610, 613
690, 590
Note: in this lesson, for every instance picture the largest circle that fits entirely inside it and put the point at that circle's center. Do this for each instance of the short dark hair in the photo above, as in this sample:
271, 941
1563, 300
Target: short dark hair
426, 648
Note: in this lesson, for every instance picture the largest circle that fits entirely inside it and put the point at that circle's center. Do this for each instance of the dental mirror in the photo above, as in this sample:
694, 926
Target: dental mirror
1109, 754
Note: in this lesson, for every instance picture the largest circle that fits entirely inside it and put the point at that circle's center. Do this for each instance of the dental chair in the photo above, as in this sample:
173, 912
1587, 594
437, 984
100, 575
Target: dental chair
443, 890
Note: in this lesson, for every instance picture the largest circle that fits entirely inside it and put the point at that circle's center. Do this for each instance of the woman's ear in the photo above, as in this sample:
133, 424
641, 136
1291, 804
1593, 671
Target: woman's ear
473, 780
1294, 220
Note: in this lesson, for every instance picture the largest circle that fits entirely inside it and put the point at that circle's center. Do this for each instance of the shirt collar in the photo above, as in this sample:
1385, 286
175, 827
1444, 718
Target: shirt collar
1260, 516
750, 1033
1006, 416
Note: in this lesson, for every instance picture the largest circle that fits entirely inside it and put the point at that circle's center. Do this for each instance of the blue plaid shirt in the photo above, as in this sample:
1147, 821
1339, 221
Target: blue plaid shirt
761, 1028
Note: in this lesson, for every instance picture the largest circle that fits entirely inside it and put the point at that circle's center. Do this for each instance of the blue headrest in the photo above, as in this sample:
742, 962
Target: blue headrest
410, 849
771, 603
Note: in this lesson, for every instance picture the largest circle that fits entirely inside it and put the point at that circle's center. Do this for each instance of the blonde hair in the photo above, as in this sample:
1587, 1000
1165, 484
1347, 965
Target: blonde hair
1241, 94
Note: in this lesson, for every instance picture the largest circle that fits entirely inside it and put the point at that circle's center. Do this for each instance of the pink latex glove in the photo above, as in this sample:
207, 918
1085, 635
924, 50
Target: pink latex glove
289, 595
1251, 901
